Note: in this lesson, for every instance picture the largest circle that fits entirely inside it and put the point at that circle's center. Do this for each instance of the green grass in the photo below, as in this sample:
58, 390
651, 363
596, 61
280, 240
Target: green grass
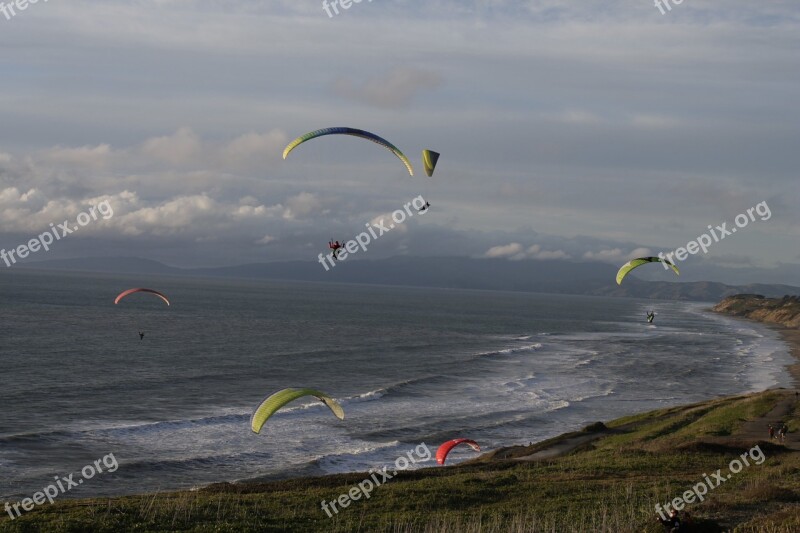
611, 484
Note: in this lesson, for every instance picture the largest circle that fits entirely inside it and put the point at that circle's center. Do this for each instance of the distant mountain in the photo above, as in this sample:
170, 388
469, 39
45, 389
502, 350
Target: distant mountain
556, 276
120, 265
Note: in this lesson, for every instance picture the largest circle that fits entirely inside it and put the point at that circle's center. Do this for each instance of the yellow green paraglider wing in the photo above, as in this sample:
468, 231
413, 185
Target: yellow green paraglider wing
274, 402
354, 132
429, 159
634, 263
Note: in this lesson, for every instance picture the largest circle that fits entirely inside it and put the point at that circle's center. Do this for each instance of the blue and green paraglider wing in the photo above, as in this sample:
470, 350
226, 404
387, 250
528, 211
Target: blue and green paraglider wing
354, 132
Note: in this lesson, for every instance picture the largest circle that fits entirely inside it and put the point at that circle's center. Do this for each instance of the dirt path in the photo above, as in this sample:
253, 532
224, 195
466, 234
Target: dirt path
564, 447
756, 429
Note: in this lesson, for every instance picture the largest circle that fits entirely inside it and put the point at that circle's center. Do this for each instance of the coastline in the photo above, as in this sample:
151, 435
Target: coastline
702, 437
779, 314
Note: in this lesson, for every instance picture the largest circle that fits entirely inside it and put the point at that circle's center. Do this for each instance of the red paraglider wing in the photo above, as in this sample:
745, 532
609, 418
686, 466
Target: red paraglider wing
444, 449
131, 291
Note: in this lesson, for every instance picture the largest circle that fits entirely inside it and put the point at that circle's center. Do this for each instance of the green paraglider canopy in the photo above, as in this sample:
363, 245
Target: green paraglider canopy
274, 402
429, 160
634, 263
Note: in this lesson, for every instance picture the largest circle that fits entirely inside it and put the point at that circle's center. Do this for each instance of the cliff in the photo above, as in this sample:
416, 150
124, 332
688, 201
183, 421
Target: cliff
783, 311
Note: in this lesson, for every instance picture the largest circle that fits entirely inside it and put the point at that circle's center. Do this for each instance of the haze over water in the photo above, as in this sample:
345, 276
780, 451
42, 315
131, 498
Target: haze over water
409, 366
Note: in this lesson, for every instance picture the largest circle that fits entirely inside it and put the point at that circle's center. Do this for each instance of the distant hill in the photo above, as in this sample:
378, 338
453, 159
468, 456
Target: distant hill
559, 277
121, 265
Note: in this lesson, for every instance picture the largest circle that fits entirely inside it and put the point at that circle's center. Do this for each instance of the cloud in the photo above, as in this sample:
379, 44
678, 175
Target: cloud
301, 205
536, 252
253, 149
395, 90
543, 121
183, 147
514, 251
506, 250
86, 156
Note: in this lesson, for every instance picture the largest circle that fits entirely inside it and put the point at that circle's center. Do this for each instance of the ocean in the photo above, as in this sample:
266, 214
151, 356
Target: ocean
409, 366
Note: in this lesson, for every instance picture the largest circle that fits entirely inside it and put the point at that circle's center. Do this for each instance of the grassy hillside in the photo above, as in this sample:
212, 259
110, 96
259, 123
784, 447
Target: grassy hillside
784, 311
606, 478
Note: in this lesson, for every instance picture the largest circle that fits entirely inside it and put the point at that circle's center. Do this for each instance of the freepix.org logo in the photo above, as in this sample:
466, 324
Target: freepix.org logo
10, 9
376, 230
704, 241
55, 233
419, 454
62, 485
331, 7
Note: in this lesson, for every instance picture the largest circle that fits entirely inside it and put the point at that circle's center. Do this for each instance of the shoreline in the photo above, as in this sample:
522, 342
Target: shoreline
779, 314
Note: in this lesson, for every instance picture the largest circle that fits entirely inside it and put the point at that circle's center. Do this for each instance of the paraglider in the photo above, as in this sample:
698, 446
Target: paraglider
650, 317
273, 403
429, 159
630, 265
354, 132
444, 449
131, 291
336, 247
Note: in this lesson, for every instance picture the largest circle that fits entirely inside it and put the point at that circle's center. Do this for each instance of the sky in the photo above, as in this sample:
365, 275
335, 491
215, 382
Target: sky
568, 130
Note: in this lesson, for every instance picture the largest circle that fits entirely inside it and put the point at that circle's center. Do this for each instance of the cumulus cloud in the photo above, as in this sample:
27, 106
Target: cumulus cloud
86, 156
184, 146
254, 148
301, 205
506, 250
515, 252
536, 252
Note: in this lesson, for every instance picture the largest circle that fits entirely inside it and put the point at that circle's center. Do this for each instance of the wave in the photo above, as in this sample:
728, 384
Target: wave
507, 351
372, 395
